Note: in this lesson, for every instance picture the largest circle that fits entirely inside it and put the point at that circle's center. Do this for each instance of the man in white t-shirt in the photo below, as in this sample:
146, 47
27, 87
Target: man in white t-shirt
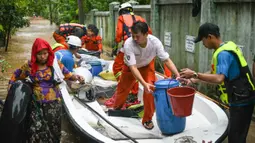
140, 51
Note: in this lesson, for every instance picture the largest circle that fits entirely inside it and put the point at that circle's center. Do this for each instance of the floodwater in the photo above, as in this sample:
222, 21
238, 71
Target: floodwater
19, 51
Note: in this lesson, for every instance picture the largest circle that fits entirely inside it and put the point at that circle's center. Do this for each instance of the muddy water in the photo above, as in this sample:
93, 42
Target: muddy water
19, 51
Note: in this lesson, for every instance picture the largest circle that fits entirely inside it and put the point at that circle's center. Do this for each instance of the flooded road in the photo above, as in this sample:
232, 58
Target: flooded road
19, 51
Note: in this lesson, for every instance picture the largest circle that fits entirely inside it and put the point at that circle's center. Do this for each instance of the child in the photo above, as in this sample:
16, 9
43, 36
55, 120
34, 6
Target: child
92, 41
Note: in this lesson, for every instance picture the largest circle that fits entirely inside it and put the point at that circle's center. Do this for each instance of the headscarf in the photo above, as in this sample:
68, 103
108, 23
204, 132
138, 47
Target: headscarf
38, 45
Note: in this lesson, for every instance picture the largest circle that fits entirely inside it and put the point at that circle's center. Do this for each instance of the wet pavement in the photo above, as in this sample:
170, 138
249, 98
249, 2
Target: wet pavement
19, 51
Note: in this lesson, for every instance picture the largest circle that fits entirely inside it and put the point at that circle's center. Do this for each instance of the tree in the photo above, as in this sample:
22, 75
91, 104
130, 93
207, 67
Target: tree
81, 14
102, 5
12, 15
50, 11
12, 12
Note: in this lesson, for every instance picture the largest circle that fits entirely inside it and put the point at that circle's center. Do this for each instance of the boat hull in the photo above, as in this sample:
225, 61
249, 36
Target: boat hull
208, 122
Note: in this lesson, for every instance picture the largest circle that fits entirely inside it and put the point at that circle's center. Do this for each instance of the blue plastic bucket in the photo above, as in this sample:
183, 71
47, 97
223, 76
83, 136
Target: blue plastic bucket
96, 67
167, 122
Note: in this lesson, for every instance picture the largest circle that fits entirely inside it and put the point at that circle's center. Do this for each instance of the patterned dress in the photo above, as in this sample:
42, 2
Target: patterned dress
45, 117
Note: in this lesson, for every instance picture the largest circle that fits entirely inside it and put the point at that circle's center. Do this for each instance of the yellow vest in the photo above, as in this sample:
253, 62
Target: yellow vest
56, 45
232, 47
229, 46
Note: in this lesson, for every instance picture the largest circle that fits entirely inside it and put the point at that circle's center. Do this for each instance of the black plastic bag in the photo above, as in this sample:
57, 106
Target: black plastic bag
14, 118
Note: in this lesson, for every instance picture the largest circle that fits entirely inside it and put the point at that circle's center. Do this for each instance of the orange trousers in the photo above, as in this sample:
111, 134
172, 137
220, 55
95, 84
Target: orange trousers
60, 39
117, 69
127, 81
167, 72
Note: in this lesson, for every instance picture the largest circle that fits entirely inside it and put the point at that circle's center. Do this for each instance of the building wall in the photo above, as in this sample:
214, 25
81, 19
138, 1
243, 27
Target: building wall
235, 19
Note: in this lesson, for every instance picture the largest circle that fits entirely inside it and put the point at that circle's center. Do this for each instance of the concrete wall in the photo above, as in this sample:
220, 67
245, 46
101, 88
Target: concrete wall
235, 18
236, 21
102, 22
176, 18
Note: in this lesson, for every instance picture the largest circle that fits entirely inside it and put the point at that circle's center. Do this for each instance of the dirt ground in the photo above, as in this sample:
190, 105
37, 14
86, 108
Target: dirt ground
19, 51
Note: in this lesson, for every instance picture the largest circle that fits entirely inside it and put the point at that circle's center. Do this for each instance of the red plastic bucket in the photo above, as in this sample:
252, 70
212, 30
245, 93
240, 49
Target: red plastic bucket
181, 99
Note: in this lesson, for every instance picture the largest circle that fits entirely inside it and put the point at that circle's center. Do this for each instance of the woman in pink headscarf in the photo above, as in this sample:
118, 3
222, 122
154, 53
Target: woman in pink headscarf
45, 118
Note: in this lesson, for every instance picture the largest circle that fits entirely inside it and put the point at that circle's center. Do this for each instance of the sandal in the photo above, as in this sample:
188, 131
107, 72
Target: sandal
148, 125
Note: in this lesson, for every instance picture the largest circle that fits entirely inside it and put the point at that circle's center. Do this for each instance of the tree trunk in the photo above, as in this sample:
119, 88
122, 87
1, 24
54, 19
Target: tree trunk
8, 37
50, 8
4, 38
7, 40
81, 14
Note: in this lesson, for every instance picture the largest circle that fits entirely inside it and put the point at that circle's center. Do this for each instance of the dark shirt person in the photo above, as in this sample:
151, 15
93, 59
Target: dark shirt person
231, 69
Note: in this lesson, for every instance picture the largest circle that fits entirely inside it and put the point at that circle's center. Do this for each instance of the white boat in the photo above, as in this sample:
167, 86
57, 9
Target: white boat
207, 123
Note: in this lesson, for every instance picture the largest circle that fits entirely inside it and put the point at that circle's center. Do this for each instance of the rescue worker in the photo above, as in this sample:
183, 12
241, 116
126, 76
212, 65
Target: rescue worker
65, 56
68, 29
93, 41
140, 51
65, 30
123, 31
228, 67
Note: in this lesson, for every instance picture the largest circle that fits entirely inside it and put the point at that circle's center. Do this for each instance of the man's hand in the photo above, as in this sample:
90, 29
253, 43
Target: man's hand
149, 88
80, 79
185, 81
78, 56
187, 73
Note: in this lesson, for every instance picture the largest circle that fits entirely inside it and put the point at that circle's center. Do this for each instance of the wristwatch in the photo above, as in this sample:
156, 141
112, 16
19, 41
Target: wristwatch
195, 75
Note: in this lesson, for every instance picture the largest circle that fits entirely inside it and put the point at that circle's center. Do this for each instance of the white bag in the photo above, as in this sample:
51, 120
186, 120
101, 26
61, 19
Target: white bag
58, 75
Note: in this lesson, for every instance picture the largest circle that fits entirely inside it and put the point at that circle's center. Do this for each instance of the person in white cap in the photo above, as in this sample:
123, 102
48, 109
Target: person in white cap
65, 56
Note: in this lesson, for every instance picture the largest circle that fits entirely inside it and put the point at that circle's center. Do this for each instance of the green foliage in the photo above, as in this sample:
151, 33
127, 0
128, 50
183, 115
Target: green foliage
1, 28
103, 5
12, 12
37, 7
12, 15
4, 65
63, 11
